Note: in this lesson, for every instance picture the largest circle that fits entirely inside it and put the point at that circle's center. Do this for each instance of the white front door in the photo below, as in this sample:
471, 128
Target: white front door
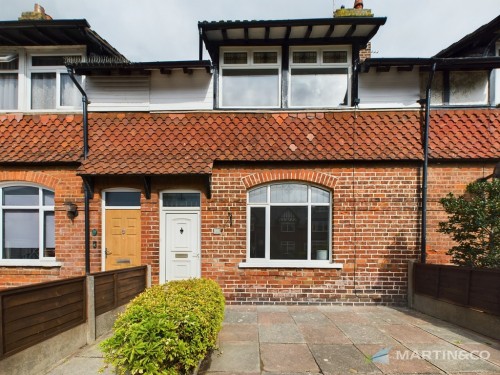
182, 245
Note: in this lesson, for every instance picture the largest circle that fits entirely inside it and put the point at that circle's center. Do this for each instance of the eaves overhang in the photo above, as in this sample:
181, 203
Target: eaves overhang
107, 67
34, 33
316, 31
408, 64
482, 39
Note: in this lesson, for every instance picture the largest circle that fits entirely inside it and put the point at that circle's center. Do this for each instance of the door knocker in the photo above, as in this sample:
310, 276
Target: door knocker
182, 230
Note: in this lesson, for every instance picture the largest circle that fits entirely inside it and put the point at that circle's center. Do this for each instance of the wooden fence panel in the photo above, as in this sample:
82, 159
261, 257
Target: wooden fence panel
32, 314
116, 288
474, 288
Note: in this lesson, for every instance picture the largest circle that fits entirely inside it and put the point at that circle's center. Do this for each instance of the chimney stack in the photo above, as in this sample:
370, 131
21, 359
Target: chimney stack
37, 14
357, 11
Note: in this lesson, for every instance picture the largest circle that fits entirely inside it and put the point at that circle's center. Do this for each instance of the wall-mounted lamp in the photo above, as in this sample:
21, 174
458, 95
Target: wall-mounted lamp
71, 210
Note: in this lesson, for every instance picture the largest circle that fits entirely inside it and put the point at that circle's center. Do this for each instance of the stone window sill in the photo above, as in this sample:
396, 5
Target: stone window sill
290, 264
29, 263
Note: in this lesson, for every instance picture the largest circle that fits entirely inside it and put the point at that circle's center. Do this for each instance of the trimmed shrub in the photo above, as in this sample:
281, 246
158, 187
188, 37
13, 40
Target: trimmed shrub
167, 329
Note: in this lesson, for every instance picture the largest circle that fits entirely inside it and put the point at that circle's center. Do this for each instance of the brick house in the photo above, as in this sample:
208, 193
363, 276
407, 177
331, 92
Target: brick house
287, 167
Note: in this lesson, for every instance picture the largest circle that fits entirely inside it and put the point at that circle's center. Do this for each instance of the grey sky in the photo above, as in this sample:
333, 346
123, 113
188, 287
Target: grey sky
157, 30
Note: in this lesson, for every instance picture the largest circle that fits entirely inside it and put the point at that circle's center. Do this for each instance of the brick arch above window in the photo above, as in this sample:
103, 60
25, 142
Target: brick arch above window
318, 178
38, 178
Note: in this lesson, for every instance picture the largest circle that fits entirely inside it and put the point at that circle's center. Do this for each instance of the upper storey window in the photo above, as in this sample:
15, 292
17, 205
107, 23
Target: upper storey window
36, 80
51, 86
250, 78
304, 77
319, 77
9, 71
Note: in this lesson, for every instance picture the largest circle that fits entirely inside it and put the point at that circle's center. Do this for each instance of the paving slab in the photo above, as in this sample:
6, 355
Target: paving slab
234, 357
240, 316
365, 334
322, 334
280, 333
287, 358
310, 317
346, 317
274, 318
342, 359
410, 334
454, 334
239, 332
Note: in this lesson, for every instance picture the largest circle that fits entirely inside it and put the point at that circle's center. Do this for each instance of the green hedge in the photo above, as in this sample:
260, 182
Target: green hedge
167, 329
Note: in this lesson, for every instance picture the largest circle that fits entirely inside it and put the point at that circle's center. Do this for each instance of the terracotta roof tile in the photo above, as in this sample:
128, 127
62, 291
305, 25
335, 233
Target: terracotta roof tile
177, 143
41, 138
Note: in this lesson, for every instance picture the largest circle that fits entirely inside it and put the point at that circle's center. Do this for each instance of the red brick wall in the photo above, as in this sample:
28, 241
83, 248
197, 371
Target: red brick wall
375, 233
376, 229
69, 233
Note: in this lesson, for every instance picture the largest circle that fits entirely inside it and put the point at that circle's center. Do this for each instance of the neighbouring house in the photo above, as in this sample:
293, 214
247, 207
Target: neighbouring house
289, 165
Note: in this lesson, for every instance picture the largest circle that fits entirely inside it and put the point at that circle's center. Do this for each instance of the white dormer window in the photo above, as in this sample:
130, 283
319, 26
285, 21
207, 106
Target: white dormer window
319, 77
50, 84
250, 78
9, 81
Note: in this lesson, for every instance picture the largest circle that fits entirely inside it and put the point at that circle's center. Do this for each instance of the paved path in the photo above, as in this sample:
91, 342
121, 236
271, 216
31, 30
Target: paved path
332, 340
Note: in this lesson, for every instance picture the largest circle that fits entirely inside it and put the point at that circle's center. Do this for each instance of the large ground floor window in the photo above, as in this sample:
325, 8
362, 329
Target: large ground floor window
27, 227
289, 222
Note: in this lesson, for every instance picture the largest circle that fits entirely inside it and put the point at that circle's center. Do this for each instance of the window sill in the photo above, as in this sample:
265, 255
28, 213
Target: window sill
29, 263
291, 264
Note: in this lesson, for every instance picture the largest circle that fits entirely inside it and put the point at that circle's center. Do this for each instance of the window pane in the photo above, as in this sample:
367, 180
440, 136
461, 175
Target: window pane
8, 91
48, 198
70, 96
265, 57
20, 234
289, 244
289, 193
47, 60
49, 249
235, 57
250, 88
319, 195
305, 57
20, 196
337, 57
123, 198
9, 62
181, 200
319, 87
43, 90
257, 232
258, 195
320, 217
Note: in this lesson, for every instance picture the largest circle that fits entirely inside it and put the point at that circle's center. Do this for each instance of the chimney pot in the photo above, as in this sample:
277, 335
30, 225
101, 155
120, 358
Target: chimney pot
358, 4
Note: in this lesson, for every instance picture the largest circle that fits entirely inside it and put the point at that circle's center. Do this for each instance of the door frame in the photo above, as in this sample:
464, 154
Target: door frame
104, 208
175, 210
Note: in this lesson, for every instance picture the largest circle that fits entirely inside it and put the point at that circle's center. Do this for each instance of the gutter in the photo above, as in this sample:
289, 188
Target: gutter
87, 190
423, 254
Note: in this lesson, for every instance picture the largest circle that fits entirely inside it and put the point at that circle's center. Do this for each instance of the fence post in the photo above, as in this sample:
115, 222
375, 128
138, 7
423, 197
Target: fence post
90, 310
411, 267
148, 276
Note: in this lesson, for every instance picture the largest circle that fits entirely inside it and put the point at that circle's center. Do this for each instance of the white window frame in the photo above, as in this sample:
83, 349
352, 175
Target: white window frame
14, 71
25, 69
250, 65
42, 261
267, 262
320, 65
57, 69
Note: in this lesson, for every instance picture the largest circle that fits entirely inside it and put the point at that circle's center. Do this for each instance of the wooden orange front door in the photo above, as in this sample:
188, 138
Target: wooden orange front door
123, 239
